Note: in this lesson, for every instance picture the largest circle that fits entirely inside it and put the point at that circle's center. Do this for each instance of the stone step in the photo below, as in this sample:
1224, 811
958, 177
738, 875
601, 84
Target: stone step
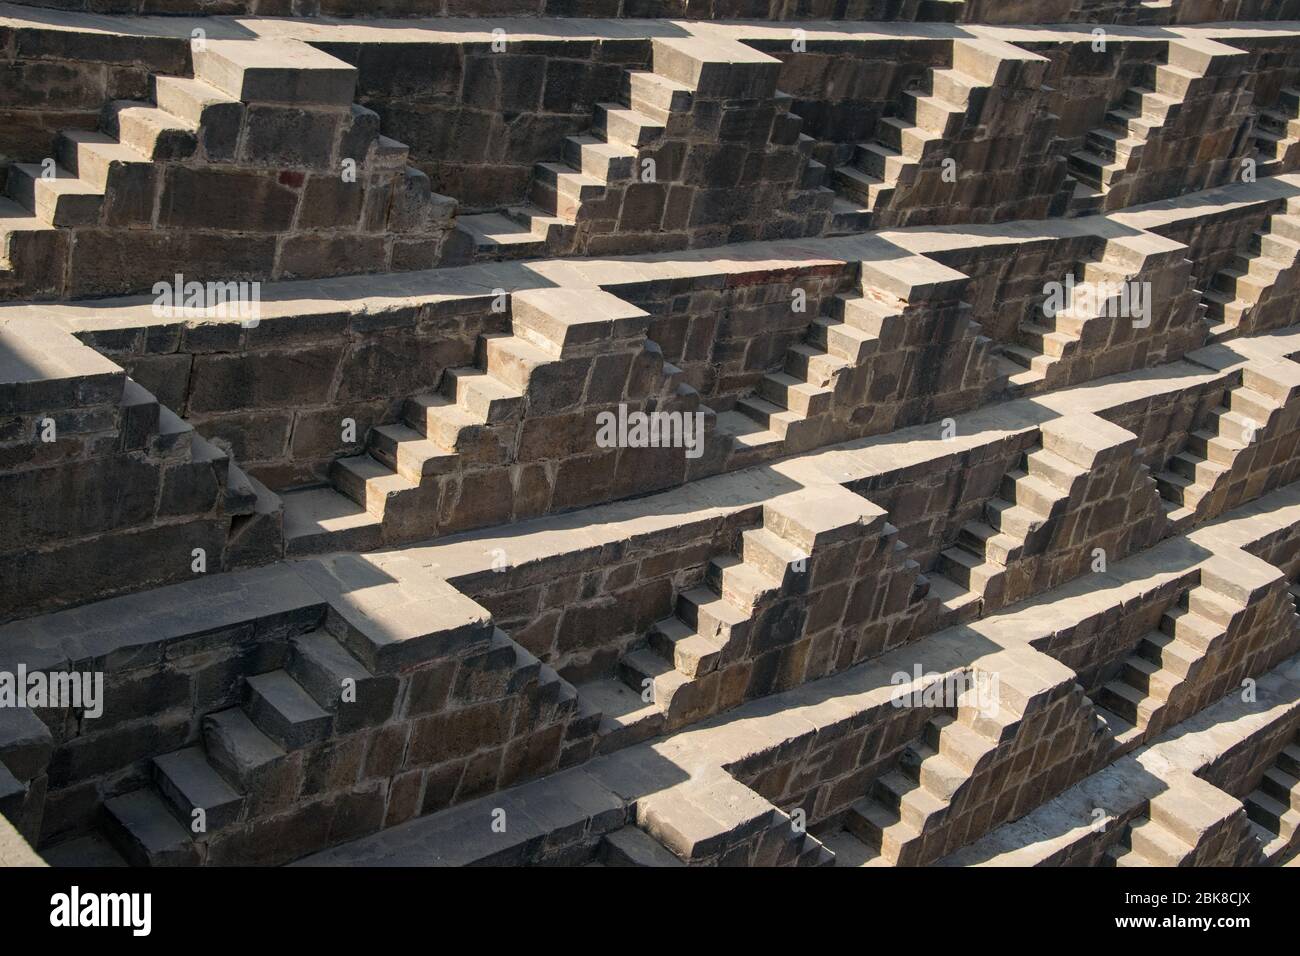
747, 434
1281, 786
1201, 471
328, 673
1190, 628
768, 415
484, 396
711, 615
1149, 103
511, 359
996, 547
1156, 844
1148, 677
813, 365
1030, 492
95, 158
882, 829
913, 803
616, 123
693, 654
842, 340
369, 482
970, 571
739, 582
954, 87
318, 520
656, 96
188, 100
272, 70
496, 234
607, 162
1051, 468
190, 784
1172, 655
632, 846
407, 452
881, 162
795, 394
932, 113
625, 718
1027, 358
1047, 341
904, 138
1128, 702
145, 831
1214, 448
150, 131
1096, 170
934, 771
284, 711
960, 743
59, 199
240, 752
1013, 519
774, 557
957, 604
1271, 814
644, 669
861, 186
1288, 759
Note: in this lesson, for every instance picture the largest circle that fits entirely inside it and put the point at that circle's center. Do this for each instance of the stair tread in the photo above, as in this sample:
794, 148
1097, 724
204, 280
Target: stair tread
287, 696
314, 510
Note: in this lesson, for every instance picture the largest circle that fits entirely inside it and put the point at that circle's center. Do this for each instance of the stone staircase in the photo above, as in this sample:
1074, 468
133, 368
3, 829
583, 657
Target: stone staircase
666, 682
892, 819
125, 174
1195, 473
793, 408
1045, 346
1274, 806
474, 419
1277, 134
1132, 701
611, 153
968, 577
927, 118
1114, 150
203, 789
1237, 290
245, 767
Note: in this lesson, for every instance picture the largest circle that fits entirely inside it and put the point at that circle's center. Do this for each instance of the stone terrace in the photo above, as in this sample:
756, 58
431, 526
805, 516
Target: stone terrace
967, 531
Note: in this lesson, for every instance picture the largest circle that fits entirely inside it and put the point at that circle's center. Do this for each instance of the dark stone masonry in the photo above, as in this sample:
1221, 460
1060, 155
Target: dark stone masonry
650, 433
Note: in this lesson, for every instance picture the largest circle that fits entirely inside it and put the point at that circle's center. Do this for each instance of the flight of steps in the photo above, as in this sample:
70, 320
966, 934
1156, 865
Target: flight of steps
968, 576
793, 407
890, 161
1193, 474
657, 684
97, 177
609, 154
1114, 149
472, 417
891, 820
1277, 131
283, 711
1238, 288
235, 775
1132, 701
1046, 340
1146, 843
1274, 806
